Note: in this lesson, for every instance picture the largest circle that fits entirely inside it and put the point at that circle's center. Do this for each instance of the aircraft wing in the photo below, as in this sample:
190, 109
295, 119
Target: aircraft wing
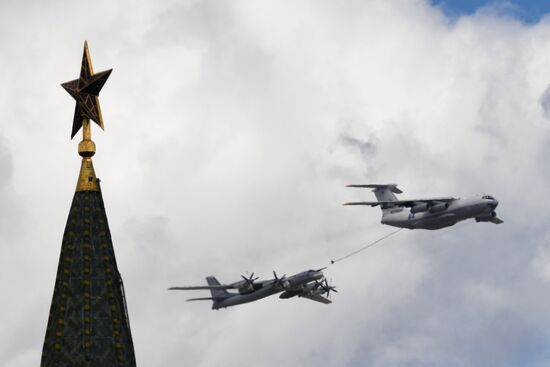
202, 287
496, 220
405, 203
317, 297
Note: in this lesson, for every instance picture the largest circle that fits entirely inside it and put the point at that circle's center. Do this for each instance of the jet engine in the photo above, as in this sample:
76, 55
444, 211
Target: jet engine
486, 217
439, 207
420, 207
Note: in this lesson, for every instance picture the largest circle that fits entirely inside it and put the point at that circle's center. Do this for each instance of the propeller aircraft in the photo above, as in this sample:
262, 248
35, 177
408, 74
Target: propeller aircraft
310, 284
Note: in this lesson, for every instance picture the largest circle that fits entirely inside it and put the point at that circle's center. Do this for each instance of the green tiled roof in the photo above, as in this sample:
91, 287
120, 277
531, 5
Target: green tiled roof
88, 322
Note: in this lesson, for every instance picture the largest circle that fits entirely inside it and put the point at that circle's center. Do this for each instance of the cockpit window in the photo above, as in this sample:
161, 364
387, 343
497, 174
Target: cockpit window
488, 197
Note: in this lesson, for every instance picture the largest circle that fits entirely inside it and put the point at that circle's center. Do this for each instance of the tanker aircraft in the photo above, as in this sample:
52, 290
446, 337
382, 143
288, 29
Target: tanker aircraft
309, 284
430, 213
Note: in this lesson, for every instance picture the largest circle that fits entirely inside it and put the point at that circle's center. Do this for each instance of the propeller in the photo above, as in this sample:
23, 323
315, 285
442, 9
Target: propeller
248, 284
250, 280
278, 280
326, 287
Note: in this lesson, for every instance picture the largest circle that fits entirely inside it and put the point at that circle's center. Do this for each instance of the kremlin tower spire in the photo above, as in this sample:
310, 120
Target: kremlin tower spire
88, 322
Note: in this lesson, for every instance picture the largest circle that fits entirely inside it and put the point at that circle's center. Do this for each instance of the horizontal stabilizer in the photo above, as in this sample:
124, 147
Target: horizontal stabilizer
391, 187
371, 203
200, 299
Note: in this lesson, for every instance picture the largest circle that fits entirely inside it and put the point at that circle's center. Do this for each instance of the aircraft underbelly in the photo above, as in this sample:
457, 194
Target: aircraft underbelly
447, 218
424, 220
397, 220
245, 298
442, 221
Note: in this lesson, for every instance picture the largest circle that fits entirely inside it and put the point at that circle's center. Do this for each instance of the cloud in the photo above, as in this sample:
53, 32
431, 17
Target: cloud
231, 129
545, 102
16, 272
365, 147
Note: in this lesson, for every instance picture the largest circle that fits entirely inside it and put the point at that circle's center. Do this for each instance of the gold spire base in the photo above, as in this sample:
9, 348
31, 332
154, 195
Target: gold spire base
86, 148
87, 181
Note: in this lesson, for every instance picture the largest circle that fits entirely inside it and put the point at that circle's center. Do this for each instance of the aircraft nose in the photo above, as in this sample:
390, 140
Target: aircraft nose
494, 203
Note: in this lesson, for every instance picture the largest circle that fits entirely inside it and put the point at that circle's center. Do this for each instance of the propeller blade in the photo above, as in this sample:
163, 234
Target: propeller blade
249, 281
327, 288
278, 280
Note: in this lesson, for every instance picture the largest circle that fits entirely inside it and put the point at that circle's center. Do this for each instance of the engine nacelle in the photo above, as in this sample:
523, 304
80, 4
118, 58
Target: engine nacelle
439, 207
421, 207
287, 294
486, 217
244, 287
247, 288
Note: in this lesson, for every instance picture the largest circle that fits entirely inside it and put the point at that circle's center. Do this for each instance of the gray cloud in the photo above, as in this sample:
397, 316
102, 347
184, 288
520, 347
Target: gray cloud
365, 147
545, 102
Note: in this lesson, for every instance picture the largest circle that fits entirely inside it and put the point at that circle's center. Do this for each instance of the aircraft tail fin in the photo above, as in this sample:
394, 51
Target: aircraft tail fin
382, 192
217, 294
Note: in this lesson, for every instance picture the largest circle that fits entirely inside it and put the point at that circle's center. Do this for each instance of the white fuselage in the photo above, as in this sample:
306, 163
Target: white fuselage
456, 211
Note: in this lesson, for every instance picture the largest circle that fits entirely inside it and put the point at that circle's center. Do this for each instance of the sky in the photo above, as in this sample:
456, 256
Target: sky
231, 130
528, 11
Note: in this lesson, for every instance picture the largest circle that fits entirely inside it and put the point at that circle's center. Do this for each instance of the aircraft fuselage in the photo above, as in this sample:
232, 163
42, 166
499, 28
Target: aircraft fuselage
480, 207
264, 289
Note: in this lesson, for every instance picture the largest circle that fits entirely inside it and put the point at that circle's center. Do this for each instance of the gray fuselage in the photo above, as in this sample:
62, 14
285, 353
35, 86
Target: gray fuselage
294, 283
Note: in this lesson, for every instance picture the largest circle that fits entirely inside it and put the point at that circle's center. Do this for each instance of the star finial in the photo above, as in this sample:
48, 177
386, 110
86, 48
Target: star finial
85, 91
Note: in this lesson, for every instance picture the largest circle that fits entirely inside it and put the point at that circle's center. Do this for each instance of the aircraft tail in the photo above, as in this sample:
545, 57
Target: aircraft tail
217, 294
382, 192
